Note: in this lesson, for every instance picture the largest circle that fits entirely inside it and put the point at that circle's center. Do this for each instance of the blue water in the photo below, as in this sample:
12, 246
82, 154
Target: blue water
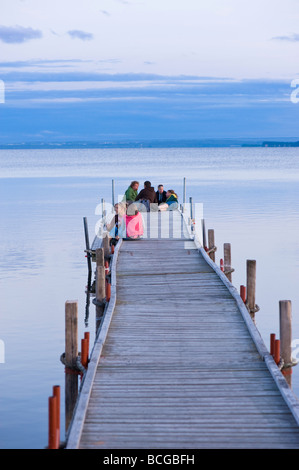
250, 198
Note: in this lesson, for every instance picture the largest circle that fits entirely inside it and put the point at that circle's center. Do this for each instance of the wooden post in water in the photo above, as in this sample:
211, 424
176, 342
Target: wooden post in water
285, 325
191, 213
100, 285
227, 261
103, 208
204, 237
250, 287
113, 193
71, 354
56, 393
243, 293
272, 343
277, 351
106, 245
52, 439
211, 242
184, 195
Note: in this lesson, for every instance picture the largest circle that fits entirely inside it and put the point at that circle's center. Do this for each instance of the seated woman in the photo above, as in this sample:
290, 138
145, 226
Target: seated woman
171, 201
134, 222
117, 226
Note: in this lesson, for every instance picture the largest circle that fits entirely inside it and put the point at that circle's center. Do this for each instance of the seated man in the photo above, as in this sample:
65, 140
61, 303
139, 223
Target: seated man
147, 196
161, 194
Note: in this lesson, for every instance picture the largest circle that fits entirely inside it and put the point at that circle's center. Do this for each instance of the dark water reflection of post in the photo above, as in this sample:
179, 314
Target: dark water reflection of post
87, 305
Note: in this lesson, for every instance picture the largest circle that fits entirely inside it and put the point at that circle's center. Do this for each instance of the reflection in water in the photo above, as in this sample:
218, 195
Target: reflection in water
87, 305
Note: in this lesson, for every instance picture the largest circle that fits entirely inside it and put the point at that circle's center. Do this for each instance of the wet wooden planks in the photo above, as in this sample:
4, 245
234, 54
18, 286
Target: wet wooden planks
179, 368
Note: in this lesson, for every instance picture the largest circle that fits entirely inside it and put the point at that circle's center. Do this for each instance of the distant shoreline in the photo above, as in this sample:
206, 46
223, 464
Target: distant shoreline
207, 143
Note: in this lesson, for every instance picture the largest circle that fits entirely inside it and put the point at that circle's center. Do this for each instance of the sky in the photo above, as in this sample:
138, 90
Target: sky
114, 70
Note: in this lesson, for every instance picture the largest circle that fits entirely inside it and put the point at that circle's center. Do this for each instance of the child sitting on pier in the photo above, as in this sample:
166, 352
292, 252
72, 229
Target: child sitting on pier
117, 226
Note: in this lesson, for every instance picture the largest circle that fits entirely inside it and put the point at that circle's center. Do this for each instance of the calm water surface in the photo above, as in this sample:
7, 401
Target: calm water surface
250, 199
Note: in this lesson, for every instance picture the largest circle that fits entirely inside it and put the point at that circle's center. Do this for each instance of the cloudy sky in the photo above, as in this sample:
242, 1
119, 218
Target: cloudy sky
148, 69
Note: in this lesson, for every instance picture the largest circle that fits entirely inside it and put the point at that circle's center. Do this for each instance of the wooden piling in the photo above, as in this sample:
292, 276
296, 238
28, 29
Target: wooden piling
204, 238
227, 261
71, 354
285, 325
106, 245
250, 287
243, 293
272, 343
211, 244
56, 393
103, 208
84, 353
100, 275
191, 213
87, 337
184, 194
277, 351
100, 285
113, 193
52, 435
108, 290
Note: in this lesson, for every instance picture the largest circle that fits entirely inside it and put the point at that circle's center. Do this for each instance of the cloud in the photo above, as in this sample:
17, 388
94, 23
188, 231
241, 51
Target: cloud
42, 63
78, 34
147, 106
291, 38
104, 12
18, 34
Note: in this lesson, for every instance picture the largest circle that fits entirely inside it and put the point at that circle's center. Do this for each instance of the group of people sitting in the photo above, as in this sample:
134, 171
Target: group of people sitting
127, 223
151, 199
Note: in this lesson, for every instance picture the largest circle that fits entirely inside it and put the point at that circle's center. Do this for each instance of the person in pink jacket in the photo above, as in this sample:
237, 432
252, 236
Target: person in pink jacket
134, 222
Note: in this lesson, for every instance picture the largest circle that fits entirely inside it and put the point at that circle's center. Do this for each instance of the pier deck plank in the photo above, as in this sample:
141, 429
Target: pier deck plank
179, 368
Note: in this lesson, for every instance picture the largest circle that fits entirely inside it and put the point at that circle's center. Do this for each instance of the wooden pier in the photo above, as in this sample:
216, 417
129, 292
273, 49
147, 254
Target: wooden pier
178, 362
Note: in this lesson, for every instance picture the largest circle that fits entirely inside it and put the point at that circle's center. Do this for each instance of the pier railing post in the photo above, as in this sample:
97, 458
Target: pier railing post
285, 325
113, 194
52, 439
106, 245
56, 393
243, 293
227, 261
250, 288
191, 213
204, 238
71, 354
211, 244
54, 419
100, 285
103, 207
184, 195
